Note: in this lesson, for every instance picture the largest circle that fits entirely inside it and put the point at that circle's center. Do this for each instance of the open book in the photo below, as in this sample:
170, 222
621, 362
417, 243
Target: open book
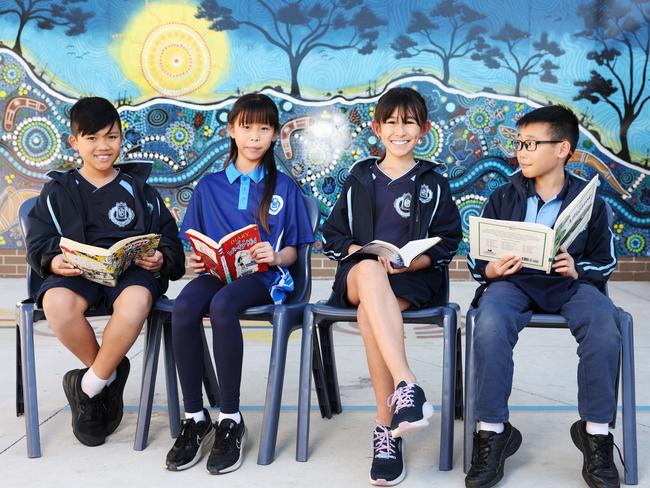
398, 257
535, 244
104, 266
229, 258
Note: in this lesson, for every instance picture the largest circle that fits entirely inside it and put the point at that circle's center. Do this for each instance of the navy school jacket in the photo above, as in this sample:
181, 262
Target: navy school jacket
58, 212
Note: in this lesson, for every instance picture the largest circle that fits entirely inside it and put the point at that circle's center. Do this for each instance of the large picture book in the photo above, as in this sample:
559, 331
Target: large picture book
104, 266
230, 258
536, 244
398, 257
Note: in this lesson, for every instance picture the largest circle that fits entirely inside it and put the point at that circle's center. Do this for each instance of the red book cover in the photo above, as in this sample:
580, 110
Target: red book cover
229, 258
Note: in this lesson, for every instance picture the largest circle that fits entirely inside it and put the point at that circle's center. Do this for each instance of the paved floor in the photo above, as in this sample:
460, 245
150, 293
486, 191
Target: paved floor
543, 407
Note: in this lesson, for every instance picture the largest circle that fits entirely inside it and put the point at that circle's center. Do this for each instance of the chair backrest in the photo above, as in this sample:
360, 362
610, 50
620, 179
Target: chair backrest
34, 280
301, 269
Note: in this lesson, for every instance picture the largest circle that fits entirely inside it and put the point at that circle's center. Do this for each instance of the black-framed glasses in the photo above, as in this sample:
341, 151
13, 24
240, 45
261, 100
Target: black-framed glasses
530, 145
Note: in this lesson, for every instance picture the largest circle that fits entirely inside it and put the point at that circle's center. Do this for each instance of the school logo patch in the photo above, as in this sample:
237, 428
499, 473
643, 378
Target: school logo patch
121, 215
403, 205
276, 205
426, 195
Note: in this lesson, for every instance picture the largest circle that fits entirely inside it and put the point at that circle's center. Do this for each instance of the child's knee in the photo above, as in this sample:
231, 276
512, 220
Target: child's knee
62, 305
369, 269
135, 300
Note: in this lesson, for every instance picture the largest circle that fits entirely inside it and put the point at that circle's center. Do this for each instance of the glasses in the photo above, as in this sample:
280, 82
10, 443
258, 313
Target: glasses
530, 145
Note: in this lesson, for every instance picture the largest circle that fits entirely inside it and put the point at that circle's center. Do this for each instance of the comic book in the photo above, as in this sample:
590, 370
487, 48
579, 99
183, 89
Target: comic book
104, 266
229, 258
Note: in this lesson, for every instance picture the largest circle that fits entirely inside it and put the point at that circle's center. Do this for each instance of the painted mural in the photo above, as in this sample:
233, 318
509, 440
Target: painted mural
174, 68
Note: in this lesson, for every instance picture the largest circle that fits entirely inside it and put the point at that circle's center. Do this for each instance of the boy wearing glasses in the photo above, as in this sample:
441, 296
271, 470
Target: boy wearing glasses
509, 294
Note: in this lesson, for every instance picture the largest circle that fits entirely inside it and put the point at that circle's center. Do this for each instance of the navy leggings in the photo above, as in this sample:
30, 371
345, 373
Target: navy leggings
204, 294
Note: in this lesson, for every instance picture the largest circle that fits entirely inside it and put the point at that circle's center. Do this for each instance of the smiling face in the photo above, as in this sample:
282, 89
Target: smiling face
400, 133
99, 150
252, 140
547, 158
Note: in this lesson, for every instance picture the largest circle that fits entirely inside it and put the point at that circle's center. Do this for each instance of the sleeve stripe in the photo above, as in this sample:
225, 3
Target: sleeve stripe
54, 219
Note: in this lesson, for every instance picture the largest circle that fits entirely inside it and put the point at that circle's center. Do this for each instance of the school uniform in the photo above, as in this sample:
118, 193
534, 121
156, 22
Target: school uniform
223, 202
505, 305
70, 206
374, 206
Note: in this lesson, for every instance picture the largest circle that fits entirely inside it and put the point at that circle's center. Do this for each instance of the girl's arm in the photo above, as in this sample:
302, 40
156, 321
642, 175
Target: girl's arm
338, 240
445, 223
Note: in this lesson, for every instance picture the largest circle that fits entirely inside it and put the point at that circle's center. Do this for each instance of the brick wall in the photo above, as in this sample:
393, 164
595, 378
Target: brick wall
12, 264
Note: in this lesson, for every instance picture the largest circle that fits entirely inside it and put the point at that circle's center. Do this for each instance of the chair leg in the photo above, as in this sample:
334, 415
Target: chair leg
150, 366
170, 381
20, 403
210, 382
318, 372
273, 401
25, 321
629, 401
450, 325
308, 352
329, 365
470, 391
459, 400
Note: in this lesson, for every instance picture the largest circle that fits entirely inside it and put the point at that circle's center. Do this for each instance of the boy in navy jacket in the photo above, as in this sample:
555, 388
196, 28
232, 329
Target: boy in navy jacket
99, 204
509, 294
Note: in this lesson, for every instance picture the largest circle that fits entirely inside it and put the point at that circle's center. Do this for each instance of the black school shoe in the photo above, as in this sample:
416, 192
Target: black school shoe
229, 440
193, 441
412, 411
114, 394
387, 461
88, 414
598, 468
489, 454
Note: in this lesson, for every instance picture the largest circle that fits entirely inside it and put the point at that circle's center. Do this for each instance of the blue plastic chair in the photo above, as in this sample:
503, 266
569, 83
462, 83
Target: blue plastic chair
26, 315
322, 317
285, 318
555, 321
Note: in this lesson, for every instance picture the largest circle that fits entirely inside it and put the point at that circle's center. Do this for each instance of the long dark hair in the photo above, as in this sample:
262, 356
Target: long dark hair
255, 108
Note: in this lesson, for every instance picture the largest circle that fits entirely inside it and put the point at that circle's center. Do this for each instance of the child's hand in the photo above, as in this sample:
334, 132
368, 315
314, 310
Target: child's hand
505, 266
263, 252
564, 264
151, 263
196, 264
60, 266
389, 267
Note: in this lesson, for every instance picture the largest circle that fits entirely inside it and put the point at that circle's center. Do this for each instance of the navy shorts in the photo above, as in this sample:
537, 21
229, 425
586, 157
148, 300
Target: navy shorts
101, 297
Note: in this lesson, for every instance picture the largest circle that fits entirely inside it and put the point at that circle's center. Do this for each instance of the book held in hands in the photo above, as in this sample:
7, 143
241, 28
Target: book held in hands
104, 266
535, 244
230, 258
398, 257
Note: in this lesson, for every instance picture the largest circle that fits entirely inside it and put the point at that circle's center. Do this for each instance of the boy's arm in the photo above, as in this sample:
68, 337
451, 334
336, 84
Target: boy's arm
477, 266
337, 234
44, 234
445, 223
598, 261
170, 244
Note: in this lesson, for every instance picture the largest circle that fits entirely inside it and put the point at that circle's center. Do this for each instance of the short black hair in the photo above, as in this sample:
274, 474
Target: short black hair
563, 123
90, 115
407, 101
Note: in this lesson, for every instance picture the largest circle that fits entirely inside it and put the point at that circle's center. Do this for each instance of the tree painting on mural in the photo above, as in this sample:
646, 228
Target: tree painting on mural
48, 14
621, 35
300, 27
461, 37
511, 53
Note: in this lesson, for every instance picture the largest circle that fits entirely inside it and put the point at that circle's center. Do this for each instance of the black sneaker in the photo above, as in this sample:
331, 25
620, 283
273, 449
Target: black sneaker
598, 468
193, 441
114, 392
489, 453
412, 411
387, 461
88, 414
229, 440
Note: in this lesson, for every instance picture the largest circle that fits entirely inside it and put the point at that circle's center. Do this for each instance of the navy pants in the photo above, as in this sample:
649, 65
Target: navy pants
207, 294
504, 310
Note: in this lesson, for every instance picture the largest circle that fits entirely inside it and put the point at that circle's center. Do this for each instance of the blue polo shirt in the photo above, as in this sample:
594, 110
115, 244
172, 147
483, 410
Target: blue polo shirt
228, 200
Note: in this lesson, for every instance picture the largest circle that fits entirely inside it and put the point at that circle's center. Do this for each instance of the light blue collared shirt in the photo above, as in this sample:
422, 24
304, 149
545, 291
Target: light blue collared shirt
256, 175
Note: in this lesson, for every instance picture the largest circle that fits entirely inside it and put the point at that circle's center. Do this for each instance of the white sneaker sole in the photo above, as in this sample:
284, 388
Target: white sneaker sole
206, 445
236, 466
396, 481
406, 427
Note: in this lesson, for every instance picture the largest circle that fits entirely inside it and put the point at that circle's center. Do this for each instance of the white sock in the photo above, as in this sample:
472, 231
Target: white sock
491, 427
597, 429
91, 384
197, 416
232, 416
111, 378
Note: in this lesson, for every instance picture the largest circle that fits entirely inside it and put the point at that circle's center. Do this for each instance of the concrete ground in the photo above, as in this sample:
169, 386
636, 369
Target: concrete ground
543, 406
